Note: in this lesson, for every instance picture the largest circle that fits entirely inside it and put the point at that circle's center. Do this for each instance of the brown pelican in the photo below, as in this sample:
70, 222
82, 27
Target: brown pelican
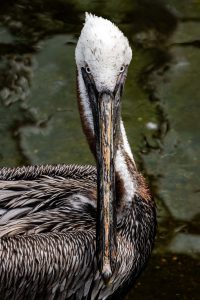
71, 232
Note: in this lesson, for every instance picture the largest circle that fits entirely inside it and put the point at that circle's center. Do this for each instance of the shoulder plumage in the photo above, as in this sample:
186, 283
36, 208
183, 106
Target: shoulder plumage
36, 172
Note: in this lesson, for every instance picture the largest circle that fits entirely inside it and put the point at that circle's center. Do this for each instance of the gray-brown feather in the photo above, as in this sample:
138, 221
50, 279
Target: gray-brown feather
40, 266
47, 230
46, 200
48, 233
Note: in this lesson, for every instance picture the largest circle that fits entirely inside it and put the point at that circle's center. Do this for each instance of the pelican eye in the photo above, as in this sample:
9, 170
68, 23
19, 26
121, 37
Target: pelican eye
122, 69
88, 70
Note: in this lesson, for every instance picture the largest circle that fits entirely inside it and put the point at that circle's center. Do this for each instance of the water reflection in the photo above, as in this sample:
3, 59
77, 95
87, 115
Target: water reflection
160, 110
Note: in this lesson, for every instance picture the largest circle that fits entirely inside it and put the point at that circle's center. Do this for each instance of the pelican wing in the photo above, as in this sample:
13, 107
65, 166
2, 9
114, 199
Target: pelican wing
46, 266
47, 231
46, 199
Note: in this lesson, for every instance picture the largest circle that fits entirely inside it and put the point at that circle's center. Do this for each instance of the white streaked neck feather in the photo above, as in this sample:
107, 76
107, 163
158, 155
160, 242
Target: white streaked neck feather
122, 168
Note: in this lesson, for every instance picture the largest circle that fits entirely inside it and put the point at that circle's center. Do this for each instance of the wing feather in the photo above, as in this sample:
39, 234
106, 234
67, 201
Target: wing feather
50, 264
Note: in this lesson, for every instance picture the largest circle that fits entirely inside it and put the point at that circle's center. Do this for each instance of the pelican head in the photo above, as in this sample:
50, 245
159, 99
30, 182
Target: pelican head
102, 57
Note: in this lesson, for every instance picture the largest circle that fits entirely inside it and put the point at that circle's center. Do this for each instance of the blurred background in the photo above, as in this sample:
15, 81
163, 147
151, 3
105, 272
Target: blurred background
39, 121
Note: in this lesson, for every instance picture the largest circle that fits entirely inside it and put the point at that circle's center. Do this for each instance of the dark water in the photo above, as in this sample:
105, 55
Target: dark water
39, 122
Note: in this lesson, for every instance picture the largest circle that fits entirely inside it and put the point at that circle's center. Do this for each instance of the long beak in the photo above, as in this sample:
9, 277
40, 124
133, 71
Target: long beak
106, 115
106, 186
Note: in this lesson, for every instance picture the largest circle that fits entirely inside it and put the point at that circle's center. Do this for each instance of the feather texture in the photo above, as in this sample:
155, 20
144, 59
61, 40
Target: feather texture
48, 233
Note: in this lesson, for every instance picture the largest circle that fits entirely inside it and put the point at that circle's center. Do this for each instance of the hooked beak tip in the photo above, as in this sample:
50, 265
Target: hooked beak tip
107, 273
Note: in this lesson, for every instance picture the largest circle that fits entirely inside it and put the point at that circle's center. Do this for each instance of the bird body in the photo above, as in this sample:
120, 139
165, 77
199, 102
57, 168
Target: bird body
52, 216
